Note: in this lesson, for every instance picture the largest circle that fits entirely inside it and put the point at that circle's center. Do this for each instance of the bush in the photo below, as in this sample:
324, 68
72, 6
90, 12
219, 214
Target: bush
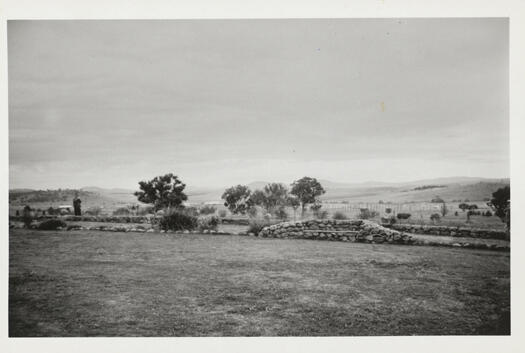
207, 209
256, 226
403, 215
177, 220
435, 217
52, 224
93, 211
388, 220
339, 215
121, 211
487, 214
365, 213
208, 223
222, 213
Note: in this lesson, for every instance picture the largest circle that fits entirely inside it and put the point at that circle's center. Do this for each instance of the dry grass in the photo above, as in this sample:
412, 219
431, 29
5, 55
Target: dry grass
128, 284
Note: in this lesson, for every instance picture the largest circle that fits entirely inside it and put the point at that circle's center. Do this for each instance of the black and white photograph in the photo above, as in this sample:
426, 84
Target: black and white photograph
259, 177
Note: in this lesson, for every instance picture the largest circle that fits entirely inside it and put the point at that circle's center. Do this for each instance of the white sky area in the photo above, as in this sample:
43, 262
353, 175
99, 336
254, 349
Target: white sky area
222, 102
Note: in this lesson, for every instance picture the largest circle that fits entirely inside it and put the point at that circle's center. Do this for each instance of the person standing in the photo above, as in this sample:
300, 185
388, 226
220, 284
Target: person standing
76, 205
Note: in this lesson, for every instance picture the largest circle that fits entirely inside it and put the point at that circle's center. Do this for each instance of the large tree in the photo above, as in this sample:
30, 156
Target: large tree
272, 197
500, 203
307, 191
165, 191
237, 199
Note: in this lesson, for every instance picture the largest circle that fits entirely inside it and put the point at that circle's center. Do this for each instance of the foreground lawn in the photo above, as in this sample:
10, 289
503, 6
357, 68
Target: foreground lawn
86, 283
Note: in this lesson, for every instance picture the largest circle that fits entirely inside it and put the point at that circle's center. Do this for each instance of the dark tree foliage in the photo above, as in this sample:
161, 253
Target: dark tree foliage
500, 204
307, 190
463, 206
258, 198
271, 198
237, 199
165, 191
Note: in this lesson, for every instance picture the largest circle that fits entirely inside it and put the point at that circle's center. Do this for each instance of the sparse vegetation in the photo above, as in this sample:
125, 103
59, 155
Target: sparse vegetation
122, 211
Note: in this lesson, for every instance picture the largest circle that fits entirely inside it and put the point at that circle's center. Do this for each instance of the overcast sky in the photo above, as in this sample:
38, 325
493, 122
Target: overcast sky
109, 103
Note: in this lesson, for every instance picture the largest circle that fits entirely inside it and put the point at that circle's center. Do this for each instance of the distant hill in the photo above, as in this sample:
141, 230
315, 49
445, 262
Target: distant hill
449, 189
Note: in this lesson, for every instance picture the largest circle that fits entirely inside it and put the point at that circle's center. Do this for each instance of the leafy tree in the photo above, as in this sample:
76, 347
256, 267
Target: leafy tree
166, 191
500, 204
258, 198
237, 199
307, 191
276, 194
272, 197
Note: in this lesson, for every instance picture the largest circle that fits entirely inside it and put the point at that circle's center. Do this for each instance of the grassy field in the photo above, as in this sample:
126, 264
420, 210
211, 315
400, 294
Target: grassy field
129, 284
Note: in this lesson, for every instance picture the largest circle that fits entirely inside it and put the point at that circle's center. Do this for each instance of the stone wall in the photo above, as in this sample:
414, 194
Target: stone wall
449, 231
338, 230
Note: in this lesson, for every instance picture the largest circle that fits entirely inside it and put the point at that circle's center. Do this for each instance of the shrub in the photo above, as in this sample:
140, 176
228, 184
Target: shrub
52, 224
257, 225
207, 209
437, 199
208, 223
365, 213
388, 220
403, 215
222, 213
177, 220
121, 211
487, 214
339, 215
435, 217
93, 211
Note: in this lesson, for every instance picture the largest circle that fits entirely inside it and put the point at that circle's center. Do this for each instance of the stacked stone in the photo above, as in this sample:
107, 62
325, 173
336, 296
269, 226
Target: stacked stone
336, 230
449, 231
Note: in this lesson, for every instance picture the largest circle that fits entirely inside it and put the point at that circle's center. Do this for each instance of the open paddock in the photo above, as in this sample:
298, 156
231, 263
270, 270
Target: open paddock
90, 283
